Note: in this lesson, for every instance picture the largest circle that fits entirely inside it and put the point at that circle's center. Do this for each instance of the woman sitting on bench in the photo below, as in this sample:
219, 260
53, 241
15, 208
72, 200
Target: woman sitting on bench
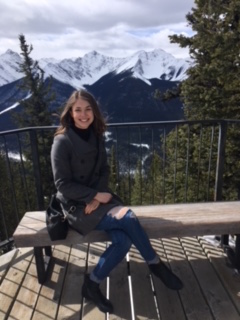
80, 170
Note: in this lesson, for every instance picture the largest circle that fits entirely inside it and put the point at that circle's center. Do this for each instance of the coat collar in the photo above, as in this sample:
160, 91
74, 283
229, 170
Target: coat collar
79, 145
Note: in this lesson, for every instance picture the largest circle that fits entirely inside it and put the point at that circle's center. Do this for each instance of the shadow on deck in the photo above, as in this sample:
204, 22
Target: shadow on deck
212, 289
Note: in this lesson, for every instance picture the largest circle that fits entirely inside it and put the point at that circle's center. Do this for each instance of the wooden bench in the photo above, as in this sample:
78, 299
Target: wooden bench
159, 221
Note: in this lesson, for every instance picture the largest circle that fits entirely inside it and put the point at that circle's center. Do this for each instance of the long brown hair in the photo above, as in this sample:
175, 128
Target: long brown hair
99, 123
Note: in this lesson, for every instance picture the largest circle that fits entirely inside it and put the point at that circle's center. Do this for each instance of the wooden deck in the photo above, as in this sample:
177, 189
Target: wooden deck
212, 289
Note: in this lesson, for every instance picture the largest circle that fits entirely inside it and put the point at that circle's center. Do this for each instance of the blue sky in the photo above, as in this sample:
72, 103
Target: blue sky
65, 29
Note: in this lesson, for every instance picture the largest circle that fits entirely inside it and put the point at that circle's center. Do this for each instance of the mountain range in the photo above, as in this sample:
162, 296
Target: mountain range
125, 87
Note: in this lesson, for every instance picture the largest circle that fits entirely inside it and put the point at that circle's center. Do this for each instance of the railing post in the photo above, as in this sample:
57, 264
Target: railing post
220, 160
220, 169
36, 169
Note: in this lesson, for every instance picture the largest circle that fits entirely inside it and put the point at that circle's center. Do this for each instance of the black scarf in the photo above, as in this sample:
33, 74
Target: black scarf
82, 133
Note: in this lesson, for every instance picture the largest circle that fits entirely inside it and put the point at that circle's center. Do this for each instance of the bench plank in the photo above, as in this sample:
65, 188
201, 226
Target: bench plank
159, 221
170, 220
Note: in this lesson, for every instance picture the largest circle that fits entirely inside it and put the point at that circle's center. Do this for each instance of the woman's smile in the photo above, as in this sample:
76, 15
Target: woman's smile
82, 114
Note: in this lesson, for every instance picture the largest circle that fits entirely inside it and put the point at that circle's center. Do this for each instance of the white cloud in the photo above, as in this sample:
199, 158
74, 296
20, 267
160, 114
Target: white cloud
63, 29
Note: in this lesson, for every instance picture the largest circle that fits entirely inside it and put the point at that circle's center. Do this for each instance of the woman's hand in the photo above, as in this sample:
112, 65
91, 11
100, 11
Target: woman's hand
91, 206
103, 197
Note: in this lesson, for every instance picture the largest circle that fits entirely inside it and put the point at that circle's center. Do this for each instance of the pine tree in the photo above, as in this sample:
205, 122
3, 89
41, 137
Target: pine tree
35, 112
212, 89
191, 154
11, 187
39, 94
113, 179
154, 181
137, 191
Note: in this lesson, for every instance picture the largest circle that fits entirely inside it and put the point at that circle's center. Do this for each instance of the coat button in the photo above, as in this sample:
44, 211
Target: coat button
82, 161
82, 177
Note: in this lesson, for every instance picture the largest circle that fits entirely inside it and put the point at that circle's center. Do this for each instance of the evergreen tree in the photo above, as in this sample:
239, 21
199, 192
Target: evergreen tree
11, 188
212, 89
39, 95
137, 191
154, 181
113, 179
191, 163
36, 112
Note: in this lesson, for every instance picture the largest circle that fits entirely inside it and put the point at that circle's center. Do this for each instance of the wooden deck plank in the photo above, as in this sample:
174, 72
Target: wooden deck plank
71, 301
221, 306
211, 287
12, 281
169, 303
26, 300
24, 303
5, 262
230, 278
90, 311
50, 293
119, 292
143, 296
194, 304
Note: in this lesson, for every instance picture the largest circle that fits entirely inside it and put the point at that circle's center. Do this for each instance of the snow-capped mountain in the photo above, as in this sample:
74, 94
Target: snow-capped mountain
92, 66
155, 64
123, 86
9, 66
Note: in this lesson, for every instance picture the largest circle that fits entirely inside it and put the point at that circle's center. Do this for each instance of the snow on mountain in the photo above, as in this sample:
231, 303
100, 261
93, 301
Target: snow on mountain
92, 66
46, 61
8, 67
86, 70
14, 105
156, 64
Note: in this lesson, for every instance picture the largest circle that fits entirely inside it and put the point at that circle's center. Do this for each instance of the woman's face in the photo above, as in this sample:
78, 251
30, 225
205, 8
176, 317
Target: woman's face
82, 114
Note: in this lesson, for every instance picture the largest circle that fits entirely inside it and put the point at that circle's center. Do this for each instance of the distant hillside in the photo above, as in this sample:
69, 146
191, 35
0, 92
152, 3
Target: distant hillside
127, 99
10, 94
122, 97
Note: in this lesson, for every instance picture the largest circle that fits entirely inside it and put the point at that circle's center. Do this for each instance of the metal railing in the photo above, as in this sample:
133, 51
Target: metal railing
151, 162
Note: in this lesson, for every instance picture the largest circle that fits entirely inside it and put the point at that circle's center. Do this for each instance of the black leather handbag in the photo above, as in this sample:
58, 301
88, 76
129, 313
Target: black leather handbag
56, 220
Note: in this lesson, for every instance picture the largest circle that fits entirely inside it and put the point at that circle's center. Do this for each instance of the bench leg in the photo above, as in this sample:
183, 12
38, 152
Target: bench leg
237, 251
224, 240
234, 255
48, 251
41, 263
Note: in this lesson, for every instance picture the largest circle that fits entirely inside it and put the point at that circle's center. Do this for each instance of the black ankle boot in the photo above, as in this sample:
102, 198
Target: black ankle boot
91, 291
170, 280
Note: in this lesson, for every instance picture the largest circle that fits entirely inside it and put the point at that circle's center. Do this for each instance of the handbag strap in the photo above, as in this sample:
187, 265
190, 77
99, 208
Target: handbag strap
67, 212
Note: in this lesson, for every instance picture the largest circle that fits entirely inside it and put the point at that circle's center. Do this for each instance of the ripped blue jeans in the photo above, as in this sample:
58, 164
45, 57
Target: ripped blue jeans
123, 232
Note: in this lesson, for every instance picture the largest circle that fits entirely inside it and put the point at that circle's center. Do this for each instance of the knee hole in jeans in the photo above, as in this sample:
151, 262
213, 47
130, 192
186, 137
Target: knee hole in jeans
130, 214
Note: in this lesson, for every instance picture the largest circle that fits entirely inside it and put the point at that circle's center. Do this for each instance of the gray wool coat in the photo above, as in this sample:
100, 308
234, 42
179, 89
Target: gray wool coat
80, 171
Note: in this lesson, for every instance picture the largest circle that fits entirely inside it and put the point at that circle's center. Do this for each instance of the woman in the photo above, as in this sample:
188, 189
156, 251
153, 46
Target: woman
80, 171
